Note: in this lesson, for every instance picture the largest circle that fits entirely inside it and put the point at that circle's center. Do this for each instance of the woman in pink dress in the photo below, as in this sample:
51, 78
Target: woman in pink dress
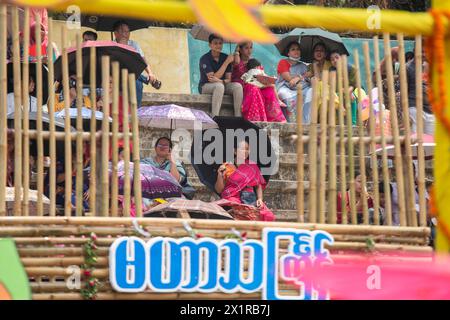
259, 104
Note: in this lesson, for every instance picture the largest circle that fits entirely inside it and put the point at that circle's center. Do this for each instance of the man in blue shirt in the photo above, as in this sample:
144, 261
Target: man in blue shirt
215, 76
122, 35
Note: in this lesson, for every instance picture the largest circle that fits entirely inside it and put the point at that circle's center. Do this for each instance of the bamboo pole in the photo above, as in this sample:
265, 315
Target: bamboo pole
67, 140
362, 150
409, 176
17, 116
312, 150
376, 198
40, 141
348, 115
79, 125
126, 144
420, 151
51, 114
3, 112
323, 146
105, 135
136, 157
332, 155
93, 141
300, 159
26, 103
60, 262
385, 169
62, 223
342, 143
115, 140
395, 131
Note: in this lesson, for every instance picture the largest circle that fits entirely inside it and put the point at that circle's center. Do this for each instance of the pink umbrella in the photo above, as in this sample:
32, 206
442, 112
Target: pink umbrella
428, 146
368, 277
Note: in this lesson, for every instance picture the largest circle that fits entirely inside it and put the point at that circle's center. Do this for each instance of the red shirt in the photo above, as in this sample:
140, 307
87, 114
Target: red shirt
283, 66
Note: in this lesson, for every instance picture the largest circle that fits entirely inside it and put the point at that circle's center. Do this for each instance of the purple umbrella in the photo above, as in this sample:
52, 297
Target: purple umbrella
155, 183
172, 116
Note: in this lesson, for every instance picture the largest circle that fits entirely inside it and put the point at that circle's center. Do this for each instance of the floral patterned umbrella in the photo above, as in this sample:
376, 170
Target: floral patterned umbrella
172, 116
155, 183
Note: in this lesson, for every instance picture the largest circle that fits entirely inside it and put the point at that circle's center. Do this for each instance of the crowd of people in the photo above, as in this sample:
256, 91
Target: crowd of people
256, 97
259, 97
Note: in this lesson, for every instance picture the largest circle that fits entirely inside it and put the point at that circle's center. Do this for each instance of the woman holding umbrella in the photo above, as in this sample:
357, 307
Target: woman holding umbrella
291, 73
259, 104
243, 183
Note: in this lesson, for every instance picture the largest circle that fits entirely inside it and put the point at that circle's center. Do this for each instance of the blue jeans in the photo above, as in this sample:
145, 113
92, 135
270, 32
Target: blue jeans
139, 89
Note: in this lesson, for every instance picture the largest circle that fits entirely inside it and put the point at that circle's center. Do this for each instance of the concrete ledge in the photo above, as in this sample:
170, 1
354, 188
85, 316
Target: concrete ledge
185, 100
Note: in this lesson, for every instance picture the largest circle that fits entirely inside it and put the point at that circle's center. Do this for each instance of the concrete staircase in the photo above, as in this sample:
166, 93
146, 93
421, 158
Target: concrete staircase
280, 195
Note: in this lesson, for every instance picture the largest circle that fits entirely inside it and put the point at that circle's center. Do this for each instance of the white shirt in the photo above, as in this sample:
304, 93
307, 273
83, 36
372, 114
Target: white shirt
32, 107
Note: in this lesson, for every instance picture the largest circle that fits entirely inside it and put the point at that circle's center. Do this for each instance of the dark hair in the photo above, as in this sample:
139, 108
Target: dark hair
118, 24
90, 33
334, 51
253, 63
320, 44
409, 56
288, 47
164, 138
213, 36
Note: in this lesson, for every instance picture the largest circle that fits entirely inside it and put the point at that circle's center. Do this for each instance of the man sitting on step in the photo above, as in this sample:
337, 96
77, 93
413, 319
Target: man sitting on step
215, 76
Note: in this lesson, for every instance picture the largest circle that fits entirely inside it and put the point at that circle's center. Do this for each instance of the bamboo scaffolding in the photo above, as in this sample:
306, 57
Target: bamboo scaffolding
420, 151
79, 125
115, 140
323, 146
17, 115
373, 147
40, 141
126, 145
342, 144
385, 170
136, 156
67, 140
203, 224
51, 114
362, 150
105, 135
409, 174
348, 115
312, 150
395, 132
332, 185
86, 136
3, 112
60, 262
93, 141
25, 111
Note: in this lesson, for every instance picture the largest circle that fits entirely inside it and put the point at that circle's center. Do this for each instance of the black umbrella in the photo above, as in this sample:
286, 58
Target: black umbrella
308, 38
59, 126
127, 57
32, 73
260, 149
106, 23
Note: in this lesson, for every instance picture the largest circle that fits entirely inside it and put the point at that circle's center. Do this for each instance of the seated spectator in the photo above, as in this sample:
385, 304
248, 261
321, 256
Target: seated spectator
215, 76
121, 31
360, 194
291, 73
259, 110
242, 182
59, 98
427, 113
320, 61
261, 102
32, 101
164, 160
89, 36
